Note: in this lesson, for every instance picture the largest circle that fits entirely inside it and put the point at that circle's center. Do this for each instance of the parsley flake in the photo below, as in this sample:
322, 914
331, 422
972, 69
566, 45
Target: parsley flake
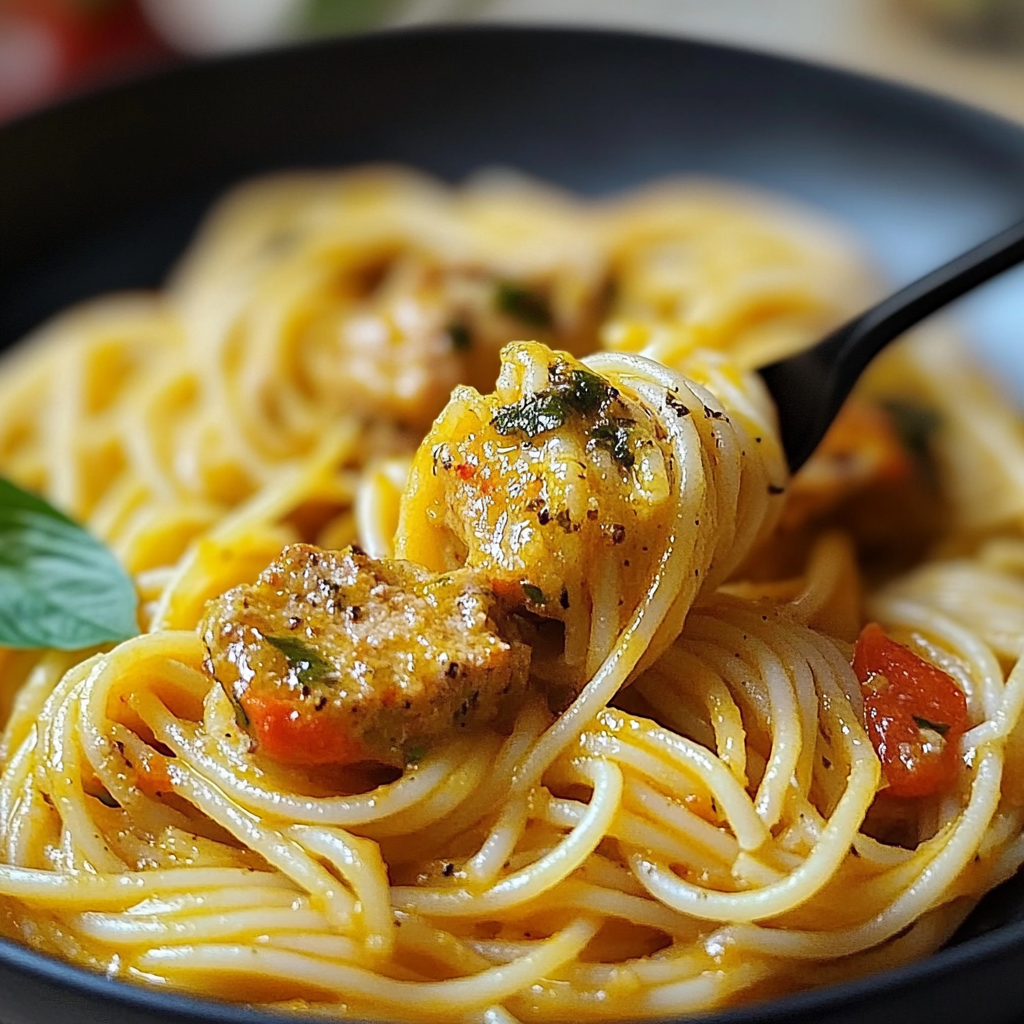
309, 665
416, 753
572, 391
613, 436
522, 304
460, 337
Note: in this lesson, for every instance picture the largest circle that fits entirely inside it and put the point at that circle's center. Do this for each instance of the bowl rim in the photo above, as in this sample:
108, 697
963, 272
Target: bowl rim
130, 78
1003, 939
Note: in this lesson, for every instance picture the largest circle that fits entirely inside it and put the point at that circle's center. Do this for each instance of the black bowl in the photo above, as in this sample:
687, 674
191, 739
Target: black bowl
104, 191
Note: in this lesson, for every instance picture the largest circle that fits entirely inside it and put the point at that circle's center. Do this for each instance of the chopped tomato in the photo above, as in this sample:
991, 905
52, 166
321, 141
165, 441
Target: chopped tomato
297, 734
914, 712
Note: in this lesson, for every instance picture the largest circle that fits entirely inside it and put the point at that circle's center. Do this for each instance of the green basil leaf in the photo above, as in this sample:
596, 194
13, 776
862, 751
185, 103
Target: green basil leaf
59, 586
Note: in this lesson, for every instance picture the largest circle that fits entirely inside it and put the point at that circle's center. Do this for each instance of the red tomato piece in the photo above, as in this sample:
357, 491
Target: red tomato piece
299, 736
914, 712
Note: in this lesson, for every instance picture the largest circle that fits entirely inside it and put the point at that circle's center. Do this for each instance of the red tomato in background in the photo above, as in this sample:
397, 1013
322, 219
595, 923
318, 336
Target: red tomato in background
49, 46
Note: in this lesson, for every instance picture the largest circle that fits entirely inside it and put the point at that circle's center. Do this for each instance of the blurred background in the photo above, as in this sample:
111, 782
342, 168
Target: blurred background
970, 49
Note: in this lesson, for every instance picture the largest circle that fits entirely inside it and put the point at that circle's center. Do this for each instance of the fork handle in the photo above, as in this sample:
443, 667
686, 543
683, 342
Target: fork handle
810, 387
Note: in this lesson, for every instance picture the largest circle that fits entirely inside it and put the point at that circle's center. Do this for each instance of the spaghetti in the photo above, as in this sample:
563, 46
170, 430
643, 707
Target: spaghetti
687, 802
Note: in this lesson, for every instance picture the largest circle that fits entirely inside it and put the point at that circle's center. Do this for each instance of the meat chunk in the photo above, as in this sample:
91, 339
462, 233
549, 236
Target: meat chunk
861, 451
333, 657
554, 486
531, 482
876, 457
425, 327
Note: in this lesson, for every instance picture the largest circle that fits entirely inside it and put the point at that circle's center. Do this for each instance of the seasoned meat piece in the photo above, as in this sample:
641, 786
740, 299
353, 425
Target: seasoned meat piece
426, 327
554, 486
874, 458
534, 482
334, 657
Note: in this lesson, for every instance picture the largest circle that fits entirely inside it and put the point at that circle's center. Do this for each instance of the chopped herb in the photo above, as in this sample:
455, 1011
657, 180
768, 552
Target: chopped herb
308, 664
241, 717
532, 415
940, 727
916, 426
587, 392
524, 305
613, 436
416, 753
533, 592
573, 390
460, 337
